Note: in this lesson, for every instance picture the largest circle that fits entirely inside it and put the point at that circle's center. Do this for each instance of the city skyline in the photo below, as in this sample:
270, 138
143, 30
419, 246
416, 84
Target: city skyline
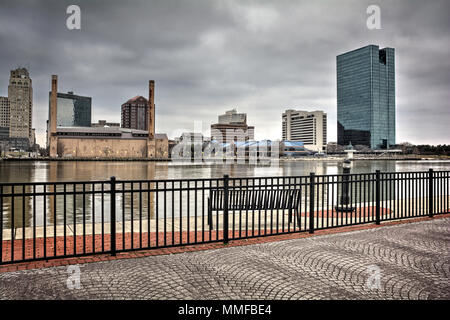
208, 58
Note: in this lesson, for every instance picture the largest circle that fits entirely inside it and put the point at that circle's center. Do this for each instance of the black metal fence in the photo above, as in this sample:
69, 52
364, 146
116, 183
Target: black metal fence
40, 221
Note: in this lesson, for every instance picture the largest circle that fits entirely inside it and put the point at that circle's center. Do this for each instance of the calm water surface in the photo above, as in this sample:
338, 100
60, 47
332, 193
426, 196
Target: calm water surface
41, 171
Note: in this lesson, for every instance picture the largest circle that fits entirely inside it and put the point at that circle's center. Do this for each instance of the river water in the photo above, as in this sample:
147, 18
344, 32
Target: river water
55, 171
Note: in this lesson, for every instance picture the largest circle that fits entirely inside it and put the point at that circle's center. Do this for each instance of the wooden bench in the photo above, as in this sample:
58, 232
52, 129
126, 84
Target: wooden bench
255, 199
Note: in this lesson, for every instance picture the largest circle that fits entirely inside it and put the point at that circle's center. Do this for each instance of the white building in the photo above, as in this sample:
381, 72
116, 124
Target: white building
307, 127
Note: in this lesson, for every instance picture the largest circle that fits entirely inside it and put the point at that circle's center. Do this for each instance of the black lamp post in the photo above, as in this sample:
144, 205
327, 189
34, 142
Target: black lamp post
344, 198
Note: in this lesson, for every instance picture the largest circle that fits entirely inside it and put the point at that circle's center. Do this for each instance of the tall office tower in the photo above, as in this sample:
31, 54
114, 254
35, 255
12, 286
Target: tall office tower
307, 127
135, 113
73, 110
4, 113
20, 96
366, 97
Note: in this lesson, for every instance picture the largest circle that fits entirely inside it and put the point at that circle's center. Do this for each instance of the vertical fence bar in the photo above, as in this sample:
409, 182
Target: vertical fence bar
34, 222
132, 213
165, 216
311, 202
195, 210
140, 215
74, 219
103, 216
124, 219
149, 214
23, 221
93, 217
188, 211
44, 220
430, 193
113, 215
1, 224
54, 220
225, 208
377, 196
64, 220
180, 202
84, 218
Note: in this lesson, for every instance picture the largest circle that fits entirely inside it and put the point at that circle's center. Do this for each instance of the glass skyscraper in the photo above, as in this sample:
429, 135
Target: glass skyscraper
366, 97
73, 110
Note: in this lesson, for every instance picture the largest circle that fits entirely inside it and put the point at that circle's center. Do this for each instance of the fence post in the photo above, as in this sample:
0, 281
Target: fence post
225, 208
113, 215
430, 193
311, 201
1, 223
377, 196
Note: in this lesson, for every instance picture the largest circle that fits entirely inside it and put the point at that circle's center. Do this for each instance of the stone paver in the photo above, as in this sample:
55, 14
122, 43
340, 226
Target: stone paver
413, 260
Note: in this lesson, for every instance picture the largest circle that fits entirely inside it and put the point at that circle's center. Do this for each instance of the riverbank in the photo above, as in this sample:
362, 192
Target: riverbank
85, 159
306, 158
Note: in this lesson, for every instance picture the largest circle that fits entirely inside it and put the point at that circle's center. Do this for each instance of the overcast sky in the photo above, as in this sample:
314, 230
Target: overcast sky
208, 56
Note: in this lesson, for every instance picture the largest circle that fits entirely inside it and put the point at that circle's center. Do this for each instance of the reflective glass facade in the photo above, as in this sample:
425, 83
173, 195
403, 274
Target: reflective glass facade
366, 97
73, 110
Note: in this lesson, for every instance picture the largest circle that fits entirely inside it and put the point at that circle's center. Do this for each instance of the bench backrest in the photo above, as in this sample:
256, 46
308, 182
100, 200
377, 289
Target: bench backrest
255, 199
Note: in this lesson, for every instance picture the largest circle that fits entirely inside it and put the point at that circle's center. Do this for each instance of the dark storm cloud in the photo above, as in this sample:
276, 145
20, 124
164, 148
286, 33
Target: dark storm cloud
209, 56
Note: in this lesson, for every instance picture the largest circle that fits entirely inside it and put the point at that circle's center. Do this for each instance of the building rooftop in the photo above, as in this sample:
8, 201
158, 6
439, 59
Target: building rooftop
109, 131
99, 130
136, 98
160, 136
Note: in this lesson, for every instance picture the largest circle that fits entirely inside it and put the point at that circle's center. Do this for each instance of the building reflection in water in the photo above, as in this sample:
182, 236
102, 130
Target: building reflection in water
96, 205
16, 212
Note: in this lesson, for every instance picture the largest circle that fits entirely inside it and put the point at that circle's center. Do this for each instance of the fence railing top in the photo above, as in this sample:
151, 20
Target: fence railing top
120, 181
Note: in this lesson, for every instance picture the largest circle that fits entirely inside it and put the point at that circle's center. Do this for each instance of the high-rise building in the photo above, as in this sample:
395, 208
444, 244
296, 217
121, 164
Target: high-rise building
20, 96
135, 113
4, 113
232, 117
366, 97
232, 126
307, 127
73, 110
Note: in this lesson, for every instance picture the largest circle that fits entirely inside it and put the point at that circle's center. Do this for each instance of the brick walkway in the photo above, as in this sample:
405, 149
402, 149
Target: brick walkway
95, 242
413, 260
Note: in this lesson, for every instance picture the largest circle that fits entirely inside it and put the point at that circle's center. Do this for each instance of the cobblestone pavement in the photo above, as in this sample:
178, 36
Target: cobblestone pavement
412, 260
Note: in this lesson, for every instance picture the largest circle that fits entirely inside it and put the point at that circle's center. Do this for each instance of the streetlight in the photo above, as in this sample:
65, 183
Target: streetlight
344, 198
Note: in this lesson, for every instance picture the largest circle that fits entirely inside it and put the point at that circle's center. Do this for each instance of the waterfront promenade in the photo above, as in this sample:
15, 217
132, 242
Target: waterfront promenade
412, 260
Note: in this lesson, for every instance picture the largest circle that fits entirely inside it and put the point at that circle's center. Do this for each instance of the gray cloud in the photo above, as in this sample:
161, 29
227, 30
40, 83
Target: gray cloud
209, 56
